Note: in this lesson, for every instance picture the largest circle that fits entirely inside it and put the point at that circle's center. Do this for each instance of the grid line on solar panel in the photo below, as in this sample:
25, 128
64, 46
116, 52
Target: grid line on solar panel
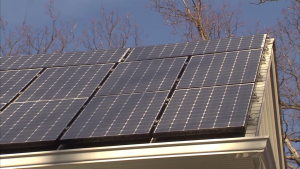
206, 108
65, 83
37, 121
197, 48
12, 82
62, 59
143, 76
2, 105
221, 69
115, 115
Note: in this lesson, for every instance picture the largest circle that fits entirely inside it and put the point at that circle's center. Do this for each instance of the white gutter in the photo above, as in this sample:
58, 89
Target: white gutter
244, 147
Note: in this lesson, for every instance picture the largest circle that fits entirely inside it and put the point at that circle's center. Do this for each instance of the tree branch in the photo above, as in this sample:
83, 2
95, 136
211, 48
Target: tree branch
295, 155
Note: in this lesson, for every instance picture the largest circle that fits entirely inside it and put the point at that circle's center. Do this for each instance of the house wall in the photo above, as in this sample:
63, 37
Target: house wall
264, 115
270, 120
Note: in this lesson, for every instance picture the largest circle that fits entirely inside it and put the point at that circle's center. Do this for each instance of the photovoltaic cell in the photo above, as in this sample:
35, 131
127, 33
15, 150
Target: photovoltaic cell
12, 82
221, 69
197, 48
117, 115
65, 83
62, 59
206, 108
142, 76
37, 121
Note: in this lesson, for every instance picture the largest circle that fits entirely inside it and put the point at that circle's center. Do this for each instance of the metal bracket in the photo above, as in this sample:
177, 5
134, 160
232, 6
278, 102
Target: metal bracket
259, 77
263, 59
255, 98
266, 50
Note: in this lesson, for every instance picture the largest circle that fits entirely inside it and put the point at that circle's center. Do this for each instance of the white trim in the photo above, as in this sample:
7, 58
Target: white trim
244, 147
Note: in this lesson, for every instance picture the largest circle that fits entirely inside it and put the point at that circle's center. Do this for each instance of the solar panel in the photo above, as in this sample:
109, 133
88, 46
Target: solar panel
65, 83
197, 48
37, 121
221, 69
12, 82
142, 76
63, 59
206, 108
117, 115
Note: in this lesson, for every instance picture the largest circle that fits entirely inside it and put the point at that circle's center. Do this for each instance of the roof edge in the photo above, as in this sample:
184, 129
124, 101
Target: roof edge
243, 147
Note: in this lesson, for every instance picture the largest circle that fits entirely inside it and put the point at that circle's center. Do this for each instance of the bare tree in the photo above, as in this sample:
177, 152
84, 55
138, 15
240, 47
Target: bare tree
103, 32
263, 1
12, 39
198, 20
27, 40
288, 54
110, 31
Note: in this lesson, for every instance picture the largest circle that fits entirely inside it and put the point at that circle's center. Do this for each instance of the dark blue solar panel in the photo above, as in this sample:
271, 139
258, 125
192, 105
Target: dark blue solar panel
37, 121
66, 83
206, 108
221, 69
118, 115
12, 82
142, 76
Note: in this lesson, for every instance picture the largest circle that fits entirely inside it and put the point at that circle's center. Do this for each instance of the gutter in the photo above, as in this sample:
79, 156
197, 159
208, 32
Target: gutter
109, 157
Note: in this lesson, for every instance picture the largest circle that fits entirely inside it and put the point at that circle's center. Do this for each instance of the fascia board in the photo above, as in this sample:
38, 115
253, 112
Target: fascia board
232, 148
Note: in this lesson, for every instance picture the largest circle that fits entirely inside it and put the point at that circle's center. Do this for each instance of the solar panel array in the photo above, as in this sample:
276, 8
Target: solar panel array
197, 48
62, 59
86, 95
51, 101
116, 114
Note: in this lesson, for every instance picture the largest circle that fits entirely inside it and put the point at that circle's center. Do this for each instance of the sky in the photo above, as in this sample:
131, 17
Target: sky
150, 21
81, 11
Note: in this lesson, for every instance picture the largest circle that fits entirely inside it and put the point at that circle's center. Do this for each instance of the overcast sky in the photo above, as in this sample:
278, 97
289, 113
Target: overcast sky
151, 22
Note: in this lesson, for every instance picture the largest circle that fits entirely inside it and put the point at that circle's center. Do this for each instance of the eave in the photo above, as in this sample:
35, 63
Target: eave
207, 152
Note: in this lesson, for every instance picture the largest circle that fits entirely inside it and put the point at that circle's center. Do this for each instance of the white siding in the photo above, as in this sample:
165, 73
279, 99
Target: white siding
270, 124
